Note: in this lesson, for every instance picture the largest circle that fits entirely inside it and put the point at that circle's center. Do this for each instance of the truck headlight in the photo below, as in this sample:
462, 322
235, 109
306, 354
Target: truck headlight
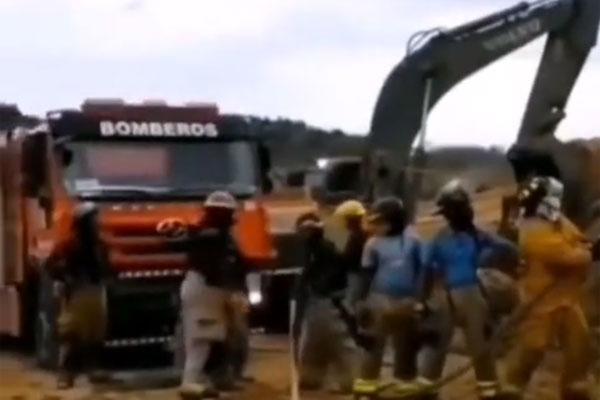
322, 163
255, 297
254, 288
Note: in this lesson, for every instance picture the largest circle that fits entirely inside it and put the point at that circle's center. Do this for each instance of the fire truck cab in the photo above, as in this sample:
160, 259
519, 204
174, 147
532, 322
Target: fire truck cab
142, 165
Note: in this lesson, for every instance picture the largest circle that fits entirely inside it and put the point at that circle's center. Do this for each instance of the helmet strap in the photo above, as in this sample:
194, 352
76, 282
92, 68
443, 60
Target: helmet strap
460, 218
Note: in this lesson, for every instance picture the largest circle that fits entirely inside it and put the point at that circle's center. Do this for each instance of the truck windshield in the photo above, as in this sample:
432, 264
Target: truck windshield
182, 168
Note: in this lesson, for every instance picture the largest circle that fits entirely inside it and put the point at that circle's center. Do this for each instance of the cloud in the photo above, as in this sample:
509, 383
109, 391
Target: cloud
153, 27
323, 61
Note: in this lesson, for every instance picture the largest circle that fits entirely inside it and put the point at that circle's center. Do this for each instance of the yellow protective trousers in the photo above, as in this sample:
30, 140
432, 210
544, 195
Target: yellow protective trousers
540, 330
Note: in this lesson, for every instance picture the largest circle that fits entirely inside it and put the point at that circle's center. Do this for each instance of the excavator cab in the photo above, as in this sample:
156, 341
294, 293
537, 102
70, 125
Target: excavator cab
336, 179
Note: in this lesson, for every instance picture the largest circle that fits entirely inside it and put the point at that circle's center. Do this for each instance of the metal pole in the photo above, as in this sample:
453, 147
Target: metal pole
418, 161
425, 113
294, 384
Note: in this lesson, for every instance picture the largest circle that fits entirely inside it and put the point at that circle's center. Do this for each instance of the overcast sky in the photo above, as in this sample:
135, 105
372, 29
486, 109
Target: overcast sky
322, 61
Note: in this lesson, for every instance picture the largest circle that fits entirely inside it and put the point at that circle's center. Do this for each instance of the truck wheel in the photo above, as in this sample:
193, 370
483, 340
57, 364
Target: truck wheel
46, 335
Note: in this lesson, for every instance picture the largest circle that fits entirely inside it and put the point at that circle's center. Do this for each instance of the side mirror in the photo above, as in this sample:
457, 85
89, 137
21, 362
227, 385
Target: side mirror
33, 163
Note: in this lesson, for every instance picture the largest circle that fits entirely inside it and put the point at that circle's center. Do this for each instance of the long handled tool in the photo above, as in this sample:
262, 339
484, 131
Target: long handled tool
294, 384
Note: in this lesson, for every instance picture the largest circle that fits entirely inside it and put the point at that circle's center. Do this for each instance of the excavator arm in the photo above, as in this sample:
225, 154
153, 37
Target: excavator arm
428, 72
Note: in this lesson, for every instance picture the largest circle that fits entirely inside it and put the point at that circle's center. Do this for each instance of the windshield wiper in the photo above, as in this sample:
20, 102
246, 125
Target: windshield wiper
153, 191
121, 190
234, 188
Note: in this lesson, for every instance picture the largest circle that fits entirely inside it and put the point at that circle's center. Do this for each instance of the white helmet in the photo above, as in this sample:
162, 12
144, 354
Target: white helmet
221, 199
545, 195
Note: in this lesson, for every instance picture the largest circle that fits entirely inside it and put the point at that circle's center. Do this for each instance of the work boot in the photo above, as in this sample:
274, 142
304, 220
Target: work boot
197, 391
578, 391
246, 379
341, 391
227, 385
366, 386
224, 381
576, 395
99, 376
309, 386
427, 389
65, 380
489, 390
400, 388
510, 393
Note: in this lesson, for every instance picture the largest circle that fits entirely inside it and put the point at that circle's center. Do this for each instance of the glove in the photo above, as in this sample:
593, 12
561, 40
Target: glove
364, 315
239, 301
421, 309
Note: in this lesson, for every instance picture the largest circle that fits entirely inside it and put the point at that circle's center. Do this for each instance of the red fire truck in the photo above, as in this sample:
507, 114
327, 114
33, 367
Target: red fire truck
141, 164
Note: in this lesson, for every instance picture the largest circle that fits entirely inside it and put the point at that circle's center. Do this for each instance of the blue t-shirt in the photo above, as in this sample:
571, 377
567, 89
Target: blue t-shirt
397, 260
458, 254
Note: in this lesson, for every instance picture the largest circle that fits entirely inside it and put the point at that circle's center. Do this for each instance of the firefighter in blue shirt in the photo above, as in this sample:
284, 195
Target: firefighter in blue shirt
454, 257
391, 269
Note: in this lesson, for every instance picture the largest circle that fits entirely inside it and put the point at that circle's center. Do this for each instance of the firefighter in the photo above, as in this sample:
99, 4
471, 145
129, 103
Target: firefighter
453, 257
391, 271
217, 270
82, 319
352, 212
324, 338
227, 361
556, 257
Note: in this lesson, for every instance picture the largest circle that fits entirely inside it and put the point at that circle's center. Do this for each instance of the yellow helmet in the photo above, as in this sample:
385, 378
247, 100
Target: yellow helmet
350, 208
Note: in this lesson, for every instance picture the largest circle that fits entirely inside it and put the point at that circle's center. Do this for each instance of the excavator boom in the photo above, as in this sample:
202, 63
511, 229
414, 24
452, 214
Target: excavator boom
449, 56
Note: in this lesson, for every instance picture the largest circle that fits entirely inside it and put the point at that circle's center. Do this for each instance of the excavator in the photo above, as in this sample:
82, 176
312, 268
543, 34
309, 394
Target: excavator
438, 59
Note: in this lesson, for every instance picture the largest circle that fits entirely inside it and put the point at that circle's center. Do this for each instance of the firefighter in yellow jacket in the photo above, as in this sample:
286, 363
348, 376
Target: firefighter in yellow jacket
556, 259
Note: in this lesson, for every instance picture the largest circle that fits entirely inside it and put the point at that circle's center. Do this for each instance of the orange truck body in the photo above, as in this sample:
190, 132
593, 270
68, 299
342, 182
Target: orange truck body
37, 223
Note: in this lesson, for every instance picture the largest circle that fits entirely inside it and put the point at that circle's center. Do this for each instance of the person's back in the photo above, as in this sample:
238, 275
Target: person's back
351, 213
82, 319
556, 258
323, 273
216, 255
215, 270
555, 254
324, 339
391, 270
454, 255
353, 250
458, 253
397, 259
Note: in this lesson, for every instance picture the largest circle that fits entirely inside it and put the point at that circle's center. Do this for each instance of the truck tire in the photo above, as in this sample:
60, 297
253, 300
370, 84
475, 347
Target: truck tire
46, 334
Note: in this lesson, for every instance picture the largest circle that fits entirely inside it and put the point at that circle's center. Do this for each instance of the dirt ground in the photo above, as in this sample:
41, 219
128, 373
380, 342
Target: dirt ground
269, 366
